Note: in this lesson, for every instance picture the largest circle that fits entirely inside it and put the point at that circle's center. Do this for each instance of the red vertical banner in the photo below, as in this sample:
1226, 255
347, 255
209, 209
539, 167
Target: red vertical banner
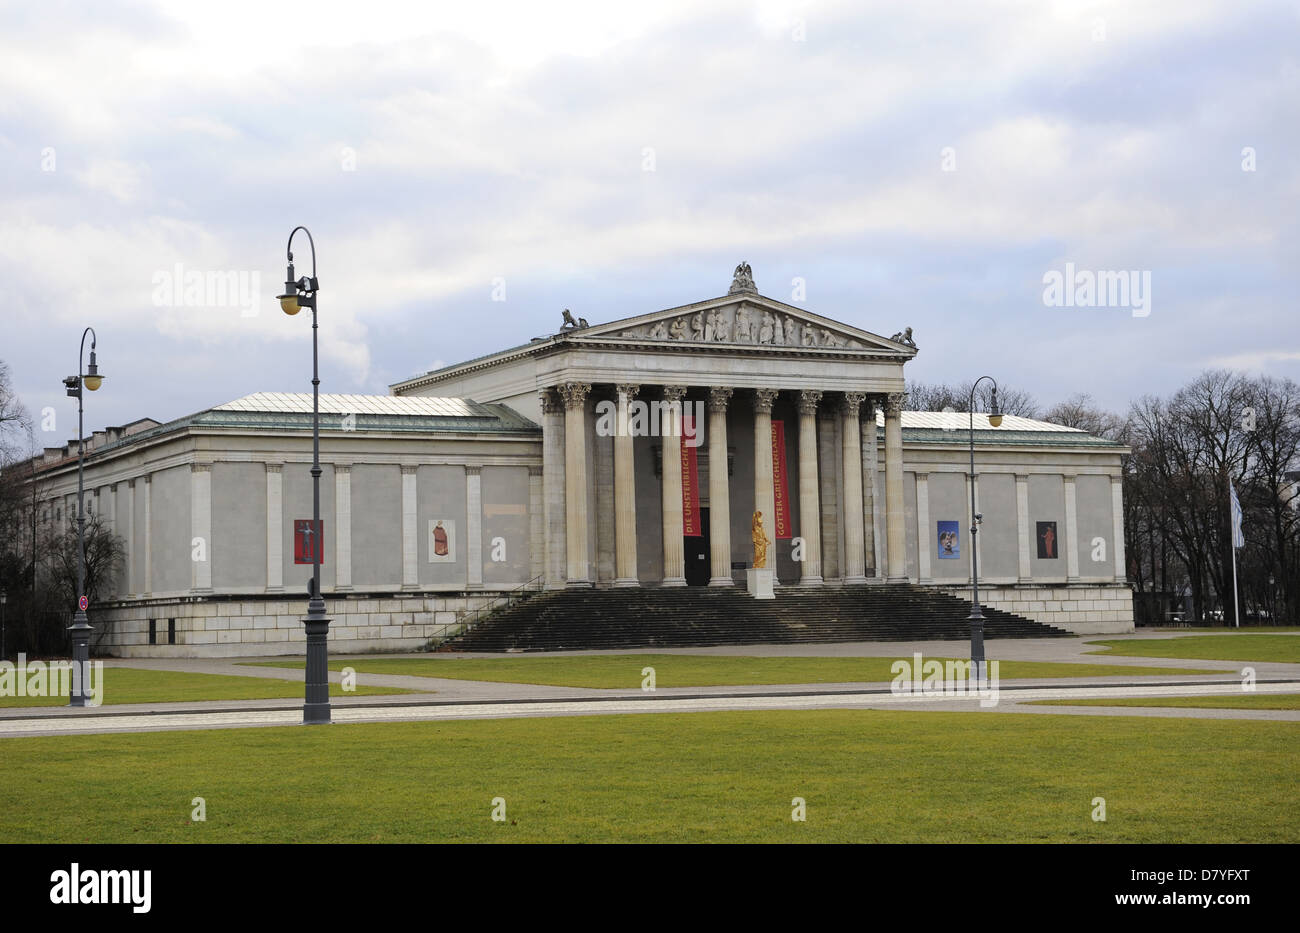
306, 541
690, 482
780, 486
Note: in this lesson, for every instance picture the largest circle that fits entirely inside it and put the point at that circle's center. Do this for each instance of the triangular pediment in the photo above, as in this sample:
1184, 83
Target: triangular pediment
750, 321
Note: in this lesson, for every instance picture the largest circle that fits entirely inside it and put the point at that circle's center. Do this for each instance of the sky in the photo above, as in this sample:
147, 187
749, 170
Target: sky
468, 171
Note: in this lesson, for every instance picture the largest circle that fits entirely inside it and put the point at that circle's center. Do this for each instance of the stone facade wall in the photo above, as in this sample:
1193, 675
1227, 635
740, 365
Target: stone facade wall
218, 627
1083, 608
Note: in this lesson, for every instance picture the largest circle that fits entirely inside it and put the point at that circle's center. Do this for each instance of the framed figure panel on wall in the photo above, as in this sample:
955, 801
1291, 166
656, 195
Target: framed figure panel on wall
1048, 545
949, 540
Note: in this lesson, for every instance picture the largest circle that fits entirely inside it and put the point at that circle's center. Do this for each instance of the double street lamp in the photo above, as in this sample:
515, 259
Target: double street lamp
299, 294
979, 668
80, 628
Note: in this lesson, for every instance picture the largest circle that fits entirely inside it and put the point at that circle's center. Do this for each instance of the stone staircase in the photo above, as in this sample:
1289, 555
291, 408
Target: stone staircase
686, 617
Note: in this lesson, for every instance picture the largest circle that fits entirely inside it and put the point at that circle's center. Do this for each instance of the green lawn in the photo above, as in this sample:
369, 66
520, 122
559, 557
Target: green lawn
1244, 701
692, 670
136, 685
867, 776
1249, 646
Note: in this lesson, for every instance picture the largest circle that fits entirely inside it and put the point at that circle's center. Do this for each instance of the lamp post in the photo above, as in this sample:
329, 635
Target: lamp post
4, 598
977, 617
299, 294
80, 627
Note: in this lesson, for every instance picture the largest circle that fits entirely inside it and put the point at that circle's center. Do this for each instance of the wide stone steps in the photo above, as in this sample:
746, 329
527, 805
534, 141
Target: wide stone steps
684, 617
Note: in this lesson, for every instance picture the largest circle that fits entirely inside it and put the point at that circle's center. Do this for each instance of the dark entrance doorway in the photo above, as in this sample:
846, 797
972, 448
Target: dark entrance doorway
696, 550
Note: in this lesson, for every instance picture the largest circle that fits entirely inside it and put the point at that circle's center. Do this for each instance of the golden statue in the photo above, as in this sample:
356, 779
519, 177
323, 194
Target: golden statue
761, 541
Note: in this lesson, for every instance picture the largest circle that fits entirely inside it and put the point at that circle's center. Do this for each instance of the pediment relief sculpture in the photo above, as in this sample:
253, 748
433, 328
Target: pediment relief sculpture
743, 324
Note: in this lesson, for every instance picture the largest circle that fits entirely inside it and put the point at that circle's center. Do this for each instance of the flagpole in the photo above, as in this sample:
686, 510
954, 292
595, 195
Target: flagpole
1232, 535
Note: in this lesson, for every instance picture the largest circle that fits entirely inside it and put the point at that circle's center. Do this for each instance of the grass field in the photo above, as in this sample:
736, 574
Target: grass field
135, 685
1245, 701
1244, 647
866, 776
692, 670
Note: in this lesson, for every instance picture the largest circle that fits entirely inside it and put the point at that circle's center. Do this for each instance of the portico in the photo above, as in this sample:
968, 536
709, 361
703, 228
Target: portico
740, 404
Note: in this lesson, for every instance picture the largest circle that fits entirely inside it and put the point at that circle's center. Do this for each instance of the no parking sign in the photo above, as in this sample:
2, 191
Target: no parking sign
83, 603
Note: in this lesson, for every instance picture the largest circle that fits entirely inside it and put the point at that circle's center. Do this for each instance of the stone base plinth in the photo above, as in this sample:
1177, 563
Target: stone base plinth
759, 583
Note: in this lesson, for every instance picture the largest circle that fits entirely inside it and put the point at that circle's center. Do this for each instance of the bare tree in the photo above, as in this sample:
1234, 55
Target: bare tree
939, 397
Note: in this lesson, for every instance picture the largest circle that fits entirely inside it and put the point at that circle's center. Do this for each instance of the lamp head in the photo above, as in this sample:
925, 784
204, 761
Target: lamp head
93, 380
289, 300
995, 415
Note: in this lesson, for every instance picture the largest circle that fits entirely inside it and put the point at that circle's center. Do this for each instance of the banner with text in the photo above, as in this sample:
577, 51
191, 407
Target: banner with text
780, 486
690, 483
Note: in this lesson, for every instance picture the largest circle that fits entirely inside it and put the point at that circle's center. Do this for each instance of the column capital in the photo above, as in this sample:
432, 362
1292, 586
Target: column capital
1069, 477
408, 469
894, 404
270, 468
550, 401
473, 470
342, 469
574, 394
851, 402
764, 399
719, 396
629, 389
870, 405
673, 393
808, 400
922, 476
1022, 477
534, 470
200, 467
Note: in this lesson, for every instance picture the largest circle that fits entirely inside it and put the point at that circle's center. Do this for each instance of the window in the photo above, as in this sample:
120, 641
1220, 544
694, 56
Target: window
153, 631
171, 631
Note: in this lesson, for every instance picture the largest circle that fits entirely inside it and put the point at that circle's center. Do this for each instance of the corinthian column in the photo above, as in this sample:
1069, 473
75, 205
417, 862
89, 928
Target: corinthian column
625, 572
575, 482
553, 489
895, 531
670, 431
764, 493
810, 526
719, 490
851, 448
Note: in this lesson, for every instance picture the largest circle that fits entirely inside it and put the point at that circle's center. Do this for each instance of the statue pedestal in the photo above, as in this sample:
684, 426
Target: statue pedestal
759, 583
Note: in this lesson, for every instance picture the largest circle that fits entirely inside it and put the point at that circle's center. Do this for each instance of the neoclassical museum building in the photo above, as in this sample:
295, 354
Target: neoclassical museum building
633, 453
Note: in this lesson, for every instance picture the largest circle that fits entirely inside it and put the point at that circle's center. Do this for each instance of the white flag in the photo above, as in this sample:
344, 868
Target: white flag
1238, 538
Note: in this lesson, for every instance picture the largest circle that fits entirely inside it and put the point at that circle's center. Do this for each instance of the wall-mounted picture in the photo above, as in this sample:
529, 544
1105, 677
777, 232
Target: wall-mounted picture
442, 541
949, 540
1048, 546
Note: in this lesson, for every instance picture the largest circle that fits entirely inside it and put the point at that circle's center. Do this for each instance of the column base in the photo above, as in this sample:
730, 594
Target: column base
579, 584
627, 581
897, 580
812, 581
721, 581
673, 581
855, 581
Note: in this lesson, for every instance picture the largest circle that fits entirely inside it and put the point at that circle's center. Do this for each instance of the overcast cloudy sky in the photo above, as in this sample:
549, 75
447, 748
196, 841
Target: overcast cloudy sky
921, 163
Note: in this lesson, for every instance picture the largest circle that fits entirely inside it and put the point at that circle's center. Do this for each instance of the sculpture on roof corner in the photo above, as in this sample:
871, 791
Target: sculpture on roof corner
742, 282
571, 324
904, 337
